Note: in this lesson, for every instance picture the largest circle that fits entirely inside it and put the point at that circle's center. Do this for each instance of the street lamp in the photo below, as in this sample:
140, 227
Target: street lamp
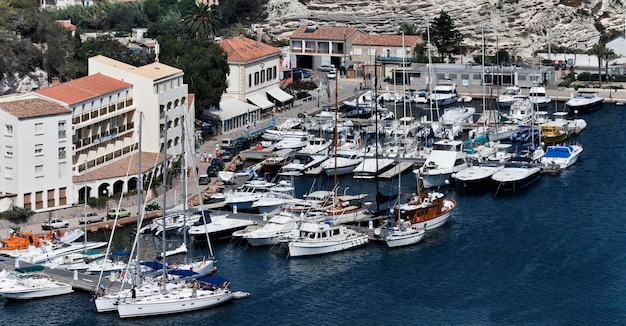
318, 97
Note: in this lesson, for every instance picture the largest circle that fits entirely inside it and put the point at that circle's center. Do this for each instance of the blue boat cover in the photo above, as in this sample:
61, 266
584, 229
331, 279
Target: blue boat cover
560, 152
152, 264
121, 253
182, 272
212, 279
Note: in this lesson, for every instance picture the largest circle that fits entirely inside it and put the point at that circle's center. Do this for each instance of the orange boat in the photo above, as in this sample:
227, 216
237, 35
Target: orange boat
19, 240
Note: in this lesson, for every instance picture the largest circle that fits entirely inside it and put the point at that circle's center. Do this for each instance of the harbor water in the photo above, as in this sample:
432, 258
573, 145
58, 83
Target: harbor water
553, 255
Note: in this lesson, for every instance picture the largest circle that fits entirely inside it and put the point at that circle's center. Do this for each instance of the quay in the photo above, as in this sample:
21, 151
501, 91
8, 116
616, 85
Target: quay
78, 280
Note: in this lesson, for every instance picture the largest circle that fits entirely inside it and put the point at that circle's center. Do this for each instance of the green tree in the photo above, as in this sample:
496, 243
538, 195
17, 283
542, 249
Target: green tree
444, 35
201, 22
409, 28
602, 53
205, 65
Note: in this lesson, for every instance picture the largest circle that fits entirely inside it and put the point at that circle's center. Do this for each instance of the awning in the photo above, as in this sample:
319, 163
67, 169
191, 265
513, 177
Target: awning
230, 108
279, 95
261, 101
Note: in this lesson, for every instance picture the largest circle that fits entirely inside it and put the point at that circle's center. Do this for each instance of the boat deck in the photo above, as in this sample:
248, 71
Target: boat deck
399, 168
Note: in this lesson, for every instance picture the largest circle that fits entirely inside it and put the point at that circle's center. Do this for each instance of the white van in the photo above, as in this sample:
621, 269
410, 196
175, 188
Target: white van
227, 142
89, 218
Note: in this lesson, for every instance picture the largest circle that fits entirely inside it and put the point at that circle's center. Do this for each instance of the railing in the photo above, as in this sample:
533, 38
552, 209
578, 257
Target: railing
395, 59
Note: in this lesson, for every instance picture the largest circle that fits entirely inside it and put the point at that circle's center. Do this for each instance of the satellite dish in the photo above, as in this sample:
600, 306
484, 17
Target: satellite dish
377, 231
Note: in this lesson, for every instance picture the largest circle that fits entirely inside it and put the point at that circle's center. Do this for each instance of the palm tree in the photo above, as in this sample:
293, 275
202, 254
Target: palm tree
201, 22
602, 53
409, 29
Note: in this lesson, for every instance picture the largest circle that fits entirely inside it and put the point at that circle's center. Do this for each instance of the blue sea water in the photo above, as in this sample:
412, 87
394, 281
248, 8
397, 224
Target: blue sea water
553, 255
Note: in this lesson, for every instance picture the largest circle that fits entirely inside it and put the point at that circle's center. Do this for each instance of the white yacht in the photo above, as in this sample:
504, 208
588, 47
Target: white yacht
521, 111
444, 93
584, 102
252, 190
34, 287
346, 161
457, 114
271, 232
447, 157
316, 145
507, 98
323, 238
275, 198
538, 97
300, 164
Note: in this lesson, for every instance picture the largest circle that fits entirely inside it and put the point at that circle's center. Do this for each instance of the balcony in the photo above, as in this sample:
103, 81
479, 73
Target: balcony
395, 59
61, 133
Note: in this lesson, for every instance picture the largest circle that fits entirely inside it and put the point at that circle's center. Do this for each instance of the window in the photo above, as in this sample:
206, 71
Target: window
263, 76
38, 171
274, 72
8, 151
61, 153
39, 128
249, 80
8, 130
61, 129
269, 73
8, 173
357, 51
39, 149
256, 78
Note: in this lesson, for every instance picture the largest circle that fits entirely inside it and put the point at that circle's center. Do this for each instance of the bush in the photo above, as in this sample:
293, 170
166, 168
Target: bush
17, 215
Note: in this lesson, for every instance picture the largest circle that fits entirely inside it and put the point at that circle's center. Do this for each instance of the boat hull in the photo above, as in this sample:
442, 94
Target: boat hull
146, 308
340, 170
404, 239
515, 184
435, 180
583, 108
36, 293
302, 249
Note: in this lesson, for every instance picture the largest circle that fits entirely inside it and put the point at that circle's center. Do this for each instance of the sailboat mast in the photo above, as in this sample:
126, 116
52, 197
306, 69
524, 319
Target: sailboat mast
86, 197
336, 139
185, 169
139, 200
376, 127
164, 199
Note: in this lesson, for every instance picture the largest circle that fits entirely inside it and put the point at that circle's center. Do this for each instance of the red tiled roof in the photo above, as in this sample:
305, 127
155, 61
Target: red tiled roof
242, 49
67, 25
120, 168
386, 40
323, 33
84, 88
23, 109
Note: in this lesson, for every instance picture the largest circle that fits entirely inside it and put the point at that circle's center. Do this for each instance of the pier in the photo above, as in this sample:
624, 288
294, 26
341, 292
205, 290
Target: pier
401, 167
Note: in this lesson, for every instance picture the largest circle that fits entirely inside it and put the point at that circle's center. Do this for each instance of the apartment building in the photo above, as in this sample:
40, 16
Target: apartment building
312, 47
35, 154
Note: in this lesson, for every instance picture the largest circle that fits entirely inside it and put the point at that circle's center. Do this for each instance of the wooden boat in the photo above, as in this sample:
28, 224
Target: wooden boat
426, 211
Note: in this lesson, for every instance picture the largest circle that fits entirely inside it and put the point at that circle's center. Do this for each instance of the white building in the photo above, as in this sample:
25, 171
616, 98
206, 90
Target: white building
35, 157
253, 83
159, 91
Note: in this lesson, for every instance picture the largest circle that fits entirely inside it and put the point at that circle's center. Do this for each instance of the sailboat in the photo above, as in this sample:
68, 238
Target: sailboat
185, 296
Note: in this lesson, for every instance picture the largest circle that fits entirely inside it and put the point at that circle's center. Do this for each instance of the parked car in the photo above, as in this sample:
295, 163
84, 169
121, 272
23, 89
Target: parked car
217, 165
122, 212
232, 150
326, 68
301, 74
332, 74
154, 206
54, 223
87, 218
204, 180
226, 156
303, 96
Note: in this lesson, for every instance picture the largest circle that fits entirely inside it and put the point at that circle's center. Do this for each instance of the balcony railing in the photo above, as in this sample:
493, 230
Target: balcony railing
395, 59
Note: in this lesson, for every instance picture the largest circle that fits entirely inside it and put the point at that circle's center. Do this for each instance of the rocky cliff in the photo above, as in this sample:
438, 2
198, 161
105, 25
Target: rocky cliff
518, 26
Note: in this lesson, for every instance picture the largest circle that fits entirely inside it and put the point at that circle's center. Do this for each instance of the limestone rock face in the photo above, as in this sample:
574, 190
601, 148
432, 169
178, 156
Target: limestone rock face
519, 26
14, 83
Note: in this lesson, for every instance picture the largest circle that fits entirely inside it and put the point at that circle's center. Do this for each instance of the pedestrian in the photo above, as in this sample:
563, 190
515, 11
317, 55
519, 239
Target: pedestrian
210, 157
197, 170
254, 124
204, 157
133, 294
